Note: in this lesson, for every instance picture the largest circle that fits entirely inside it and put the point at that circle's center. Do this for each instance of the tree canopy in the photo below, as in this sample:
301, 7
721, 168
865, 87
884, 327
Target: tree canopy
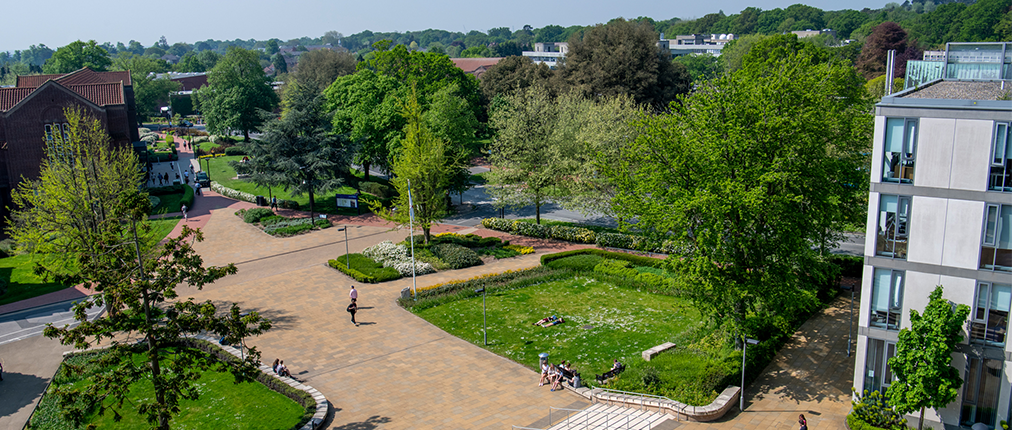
513, 73
76, 55
236, 94
322, 67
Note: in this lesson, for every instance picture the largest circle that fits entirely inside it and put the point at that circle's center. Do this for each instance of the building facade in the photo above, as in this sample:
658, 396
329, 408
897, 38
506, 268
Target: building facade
940, 213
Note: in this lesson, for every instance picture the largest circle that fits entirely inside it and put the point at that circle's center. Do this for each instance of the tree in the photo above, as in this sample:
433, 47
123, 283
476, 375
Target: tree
622, 57
924, 377
76, 55
237, 92
272, 47
423, 166
322, 67
365, 108
507, 49
452, 121
299, 151
86, 209
885, 37
280, 65
525, 149
747, 177
700, 66
150, 92
513, 73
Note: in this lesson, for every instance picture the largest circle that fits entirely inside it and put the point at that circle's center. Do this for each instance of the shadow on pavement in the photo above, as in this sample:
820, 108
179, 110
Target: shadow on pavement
369, 424
18, 390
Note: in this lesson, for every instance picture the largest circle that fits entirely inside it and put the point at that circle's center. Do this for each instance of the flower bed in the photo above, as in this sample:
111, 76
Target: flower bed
364, 269
247, 197
396, 256
579, 235
275, 225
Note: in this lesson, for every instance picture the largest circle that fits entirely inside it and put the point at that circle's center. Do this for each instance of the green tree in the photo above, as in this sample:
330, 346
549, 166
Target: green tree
76, 55
513, 73
525, 150
924, 377
150, 92
189, 63
236, 94
365, 108
280, 65
748, 177
299, 151
272, 47
322, 67
700, 66
423, 165
622, 57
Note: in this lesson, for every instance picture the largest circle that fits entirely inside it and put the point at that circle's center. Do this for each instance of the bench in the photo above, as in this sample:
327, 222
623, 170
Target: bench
653, 352
610, 374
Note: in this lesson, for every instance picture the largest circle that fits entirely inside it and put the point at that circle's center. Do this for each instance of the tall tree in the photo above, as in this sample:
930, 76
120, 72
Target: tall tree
299, 151
746, 176
280, 65
237, 92
322, 67
422, 165
924, 376
885, 37
150, 92
365, 108
76, 55
512, 73
622, 57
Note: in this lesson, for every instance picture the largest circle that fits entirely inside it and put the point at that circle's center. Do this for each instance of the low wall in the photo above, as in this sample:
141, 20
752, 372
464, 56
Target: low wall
714, 411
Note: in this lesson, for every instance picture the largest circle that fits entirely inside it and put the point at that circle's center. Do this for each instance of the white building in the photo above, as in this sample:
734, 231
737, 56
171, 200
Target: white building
940, 213
550, 53
695, 44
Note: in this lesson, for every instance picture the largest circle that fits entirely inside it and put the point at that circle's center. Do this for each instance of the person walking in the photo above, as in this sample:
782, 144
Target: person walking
802, 422
183, 208
353, 294
196, 188
352, 308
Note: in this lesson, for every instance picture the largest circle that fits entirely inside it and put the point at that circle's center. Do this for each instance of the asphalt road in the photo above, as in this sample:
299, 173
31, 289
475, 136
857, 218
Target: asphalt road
24, 324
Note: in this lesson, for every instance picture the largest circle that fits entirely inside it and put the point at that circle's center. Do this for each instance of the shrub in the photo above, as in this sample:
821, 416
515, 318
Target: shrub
560, 232
494, 282
201, 139
161, 191
376, 189
220, 140
500, 253
143, 130
616, 267
254, 215
579, 262
234, 150
232, 194
187, 198
8, 247
522, 250
293, 226
425, 255
873, 410
636, 260
396, 256
364, 269
850, 266
456, 256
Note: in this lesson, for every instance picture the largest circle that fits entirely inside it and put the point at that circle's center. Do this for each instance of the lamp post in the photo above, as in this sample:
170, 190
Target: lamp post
484, 317
347, 257
850, 327
744, 347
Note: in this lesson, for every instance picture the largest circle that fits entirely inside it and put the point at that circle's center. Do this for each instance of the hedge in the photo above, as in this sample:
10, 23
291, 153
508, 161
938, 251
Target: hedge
247, 197
161, 191
637, 260
579, 235
364, 269
187, 197
255, 215
234, 150
855, 423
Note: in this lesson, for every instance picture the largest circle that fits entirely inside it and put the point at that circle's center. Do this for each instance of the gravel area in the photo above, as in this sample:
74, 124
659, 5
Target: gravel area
963, 90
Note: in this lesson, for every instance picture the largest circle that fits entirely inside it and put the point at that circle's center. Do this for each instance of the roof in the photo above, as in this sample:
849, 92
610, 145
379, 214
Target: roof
102, 94
470, 65
79, 76
960, 90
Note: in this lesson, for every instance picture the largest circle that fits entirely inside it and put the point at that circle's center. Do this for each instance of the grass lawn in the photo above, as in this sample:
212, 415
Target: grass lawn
162, 227
224, 174
222, 404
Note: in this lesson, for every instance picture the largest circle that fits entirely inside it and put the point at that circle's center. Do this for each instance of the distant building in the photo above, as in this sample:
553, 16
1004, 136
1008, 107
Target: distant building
711, 44
187, 81
550, 53
812, 33
966, 61
33, 110
475, 66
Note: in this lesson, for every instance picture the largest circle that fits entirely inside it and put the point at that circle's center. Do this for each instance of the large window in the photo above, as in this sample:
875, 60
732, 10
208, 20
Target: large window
980, 391
877, 375
996, 246
900, 149
887, 299
989, 320
1001, 158
893, 218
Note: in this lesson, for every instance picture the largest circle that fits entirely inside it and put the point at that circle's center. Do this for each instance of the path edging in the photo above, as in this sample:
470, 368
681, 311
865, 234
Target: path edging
714, 411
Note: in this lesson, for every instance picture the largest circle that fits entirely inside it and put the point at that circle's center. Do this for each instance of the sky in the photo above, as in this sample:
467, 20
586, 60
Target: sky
63, 21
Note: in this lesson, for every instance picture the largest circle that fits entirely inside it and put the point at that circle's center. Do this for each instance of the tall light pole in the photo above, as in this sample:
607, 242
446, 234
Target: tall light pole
744, 347
850, 327
484, 316
347, 257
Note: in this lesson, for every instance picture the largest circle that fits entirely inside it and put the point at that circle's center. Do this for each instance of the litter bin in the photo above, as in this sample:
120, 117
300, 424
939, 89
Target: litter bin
542, 359
261, 201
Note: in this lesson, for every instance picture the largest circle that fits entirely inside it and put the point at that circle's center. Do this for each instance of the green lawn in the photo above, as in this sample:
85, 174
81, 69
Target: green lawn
222, 173
222, 404
24, 284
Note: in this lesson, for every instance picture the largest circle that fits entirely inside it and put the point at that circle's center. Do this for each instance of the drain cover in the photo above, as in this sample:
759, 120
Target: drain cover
588, 327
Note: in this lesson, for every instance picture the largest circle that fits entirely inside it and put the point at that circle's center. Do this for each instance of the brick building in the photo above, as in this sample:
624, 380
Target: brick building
34, 108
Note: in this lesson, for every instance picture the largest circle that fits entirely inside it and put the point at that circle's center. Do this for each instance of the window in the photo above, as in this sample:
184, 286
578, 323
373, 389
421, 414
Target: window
996, 246
980, 391
49, 133
893, 217
877, 375
1001, 159
887, 299
900, 148
989, 321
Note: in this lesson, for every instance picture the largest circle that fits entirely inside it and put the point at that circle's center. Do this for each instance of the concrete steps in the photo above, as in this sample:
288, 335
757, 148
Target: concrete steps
609, 417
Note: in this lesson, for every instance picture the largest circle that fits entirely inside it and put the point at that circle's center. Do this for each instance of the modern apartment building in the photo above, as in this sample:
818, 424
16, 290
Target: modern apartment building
940, 213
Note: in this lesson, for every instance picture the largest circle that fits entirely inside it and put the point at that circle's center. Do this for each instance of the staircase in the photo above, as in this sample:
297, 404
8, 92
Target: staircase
607, 417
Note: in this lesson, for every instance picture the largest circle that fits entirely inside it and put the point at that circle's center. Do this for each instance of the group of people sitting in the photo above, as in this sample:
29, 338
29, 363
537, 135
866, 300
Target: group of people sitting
280, 368
549, 321
555, 375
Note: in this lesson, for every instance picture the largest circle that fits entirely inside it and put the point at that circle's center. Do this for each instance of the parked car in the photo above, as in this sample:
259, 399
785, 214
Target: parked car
203, 179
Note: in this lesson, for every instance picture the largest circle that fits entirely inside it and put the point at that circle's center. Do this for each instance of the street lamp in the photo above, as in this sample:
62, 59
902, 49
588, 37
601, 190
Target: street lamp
347, 257
484, 317
850, 327
748, 341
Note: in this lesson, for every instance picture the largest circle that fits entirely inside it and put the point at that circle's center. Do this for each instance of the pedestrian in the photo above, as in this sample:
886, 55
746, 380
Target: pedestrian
166, 176
183, 208
274, 203
196, 188
353, 294
803, 422
352, 308
172, 166
186, 173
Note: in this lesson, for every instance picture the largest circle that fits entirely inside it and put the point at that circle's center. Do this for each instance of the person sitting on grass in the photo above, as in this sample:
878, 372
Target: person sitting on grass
546, 320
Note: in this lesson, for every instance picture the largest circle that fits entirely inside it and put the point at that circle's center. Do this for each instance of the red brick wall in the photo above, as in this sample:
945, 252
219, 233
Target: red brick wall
192, 82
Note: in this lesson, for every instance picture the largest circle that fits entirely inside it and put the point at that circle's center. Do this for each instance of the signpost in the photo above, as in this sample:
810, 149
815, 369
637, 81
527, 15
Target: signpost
348, 201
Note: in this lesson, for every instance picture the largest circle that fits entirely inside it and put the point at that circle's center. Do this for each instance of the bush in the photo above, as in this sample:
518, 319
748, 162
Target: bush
293, 226
616, 267
234, 150
201, 139
8, 247
187, 198
634, 242
376, 189
256, 214
396, 256
456, 256
560, 232
579, 262
636, 260
161, 191
220, 140
873, 410
364, 269
850, 266
425, 255
143, 130
233, 194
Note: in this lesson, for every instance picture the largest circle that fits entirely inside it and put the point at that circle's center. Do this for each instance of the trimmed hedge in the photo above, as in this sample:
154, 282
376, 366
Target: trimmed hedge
579, 235
456, 256
580, 262
636, 260
375, 188
256, 214
161, 191
364, 269
458, 290
234, 150
187, 198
